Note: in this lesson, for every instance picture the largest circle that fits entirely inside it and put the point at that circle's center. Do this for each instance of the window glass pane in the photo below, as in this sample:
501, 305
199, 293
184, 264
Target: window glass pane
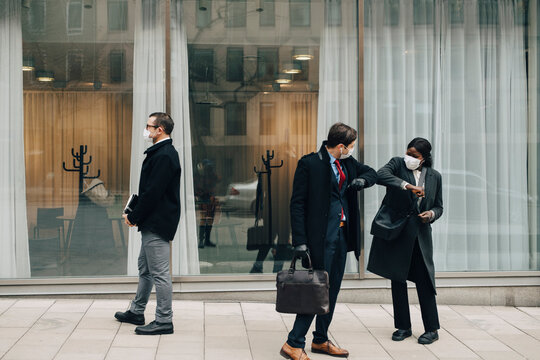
75, 17
300, 11
202, 119
391, 12
488, 12
235, 119
333, 12
117, 15
423, 12
35, 16
267, 63
456, 10
267, 13
77, 98
236, 13
117, 67
202, 64
235, 64
74, 66
204, 12
522, 12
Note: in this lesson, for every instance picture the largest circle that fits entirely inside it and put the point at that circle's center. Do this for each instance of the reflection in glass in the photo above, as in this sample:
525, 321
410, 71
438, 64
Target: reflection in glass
74, 221
446, 91
263, 95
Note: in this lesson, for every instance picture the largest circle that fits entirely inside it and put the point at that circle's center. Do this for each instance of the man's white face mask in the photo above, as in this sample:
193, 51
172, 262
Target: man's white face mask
344, 156
412, 163
146, 135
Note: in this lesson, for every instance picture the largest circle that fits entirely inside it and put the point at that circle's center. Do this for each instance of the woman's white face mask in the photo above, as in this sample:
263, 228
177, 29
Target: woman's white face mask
412, 163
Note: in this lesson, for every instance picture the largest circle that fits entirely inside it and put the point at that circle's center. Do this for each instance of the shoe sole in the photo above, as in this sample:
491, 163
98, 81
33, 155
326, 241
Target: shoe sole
284, 354
163, 332
325, 353
400, 338
427, 342
130, 322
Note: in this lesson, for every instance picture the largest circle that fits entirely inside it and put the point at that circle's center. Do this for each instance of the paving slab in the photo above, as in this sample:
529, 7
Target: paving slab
85, 329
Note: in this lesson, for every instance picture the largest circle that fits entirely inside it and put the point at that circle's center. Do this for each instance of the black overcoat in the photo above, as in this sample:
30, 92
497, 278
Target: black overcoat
392, 259
310, 202
158, 207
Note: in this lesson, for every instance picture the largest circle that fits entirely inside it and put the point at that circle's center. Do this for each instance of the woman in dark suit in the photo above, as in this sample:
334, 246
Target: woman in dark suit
411, 185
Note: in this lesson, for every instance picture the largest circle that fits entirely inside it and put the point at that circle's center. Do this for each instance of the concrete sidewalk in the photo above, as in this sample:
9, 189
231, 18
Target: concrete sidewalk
33, 329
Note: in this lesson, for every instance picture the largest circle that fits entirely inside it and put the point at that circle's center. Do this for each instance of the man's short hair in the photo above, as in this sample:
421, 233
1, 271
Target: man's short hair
340, 134
163, 120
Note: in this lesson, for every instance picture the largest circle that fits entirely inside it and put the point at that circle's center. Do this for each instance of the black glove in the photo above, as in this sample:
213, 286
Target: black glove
301, 251
357, 184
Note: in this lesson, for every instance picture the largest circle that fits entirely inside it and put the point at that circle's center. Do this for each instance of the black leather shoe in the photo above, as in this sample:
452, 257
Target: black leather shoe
155, 328
209, 244
129, 317
428, 337
400, 335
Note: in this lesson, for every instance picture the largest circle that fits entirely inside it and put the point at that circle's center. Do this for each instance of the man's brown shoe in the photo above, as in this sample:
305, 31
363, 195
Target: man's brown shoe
330, 349
288, 352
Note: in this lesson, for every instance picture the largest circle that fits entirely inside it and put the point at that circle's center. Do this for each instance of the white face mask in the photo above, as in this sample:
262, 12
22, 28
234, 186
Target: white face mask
146, 135
344, 156
412, 163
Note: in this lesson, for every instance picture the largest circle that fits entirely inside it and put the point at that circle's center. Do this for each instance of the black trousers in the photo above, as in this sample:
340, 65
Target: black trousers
335, 256
426, 295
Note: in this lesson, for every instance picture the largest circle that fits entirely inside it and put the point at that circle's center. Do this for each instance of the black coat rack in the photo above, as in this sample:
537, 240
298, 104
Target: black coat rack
268, 172
81, 166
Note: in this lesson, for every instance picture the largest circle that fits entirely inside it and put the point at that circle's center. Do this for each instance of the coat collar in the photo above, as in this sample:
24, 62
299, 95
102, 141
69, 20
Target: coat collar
158, 145
323, 153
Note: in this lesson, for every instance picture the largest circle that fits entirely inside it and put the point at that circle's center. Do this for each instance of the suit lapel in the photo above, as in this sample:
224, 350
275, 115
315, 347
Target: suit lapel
429, 187
409, 177
325, 160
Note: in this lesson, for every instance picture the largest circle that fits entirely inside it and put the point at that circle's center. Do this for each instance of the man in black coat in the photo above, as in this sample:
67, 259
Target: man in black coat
325, 222
156, 215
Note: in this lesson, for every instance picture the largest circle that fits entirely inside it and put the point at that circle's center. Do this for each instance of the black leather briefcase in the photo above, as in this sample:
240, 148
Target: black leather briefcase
302, 291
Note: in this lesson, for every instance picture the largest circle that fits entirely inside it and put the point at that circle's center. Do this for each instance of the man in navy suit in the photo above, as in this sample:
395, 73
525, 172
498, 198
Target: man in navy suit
325, 222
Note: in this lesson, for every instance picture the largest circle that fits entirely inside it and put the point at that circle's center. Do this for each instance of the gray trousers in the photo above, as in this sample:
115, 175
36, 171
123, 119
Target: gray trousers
154, 270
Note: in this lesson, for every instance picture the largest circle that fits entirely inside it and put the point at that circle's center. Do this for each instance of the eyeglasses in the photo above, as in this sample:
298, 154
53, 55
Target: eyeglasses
154, 126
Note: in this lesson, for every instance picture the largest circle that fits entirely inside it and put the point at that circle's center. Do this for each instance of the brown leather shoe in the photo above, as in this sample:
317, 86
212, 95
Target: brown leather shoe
330, 349
288, 352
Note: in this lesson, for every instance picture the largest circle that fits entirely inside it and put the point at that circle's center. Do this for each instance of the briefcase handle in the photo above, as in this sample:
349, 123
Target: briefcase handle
292, 268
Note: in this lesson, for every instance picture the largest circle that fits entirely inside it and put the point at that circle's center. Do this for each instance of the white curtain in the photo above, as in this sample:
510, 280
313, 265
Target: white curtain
148, 95
185, 251
338, 76
14, 258
457, 77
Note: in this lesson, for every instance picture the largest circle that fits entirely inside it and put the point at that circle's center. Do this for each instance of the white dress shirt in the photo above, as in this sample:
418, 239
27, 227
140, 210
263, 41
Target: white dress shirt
404, 184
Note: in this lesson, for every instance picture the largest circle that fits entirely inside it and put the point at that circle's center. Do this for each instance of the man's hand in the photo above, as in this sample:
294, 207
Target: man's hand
425, 216
300, 251
417, 190
126, 220
357, 184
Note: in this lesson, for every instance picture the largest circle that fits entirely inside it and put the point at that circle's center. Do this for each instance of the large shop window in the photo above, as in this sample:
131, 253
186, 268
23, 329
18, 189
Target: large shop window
76, 95
467, 81
265, 95
463, 74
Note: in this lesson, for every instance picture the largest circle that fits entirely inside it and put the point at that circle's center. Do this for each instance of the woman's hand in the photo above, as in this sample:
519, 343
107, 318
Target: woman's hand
425, 217
417, 190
